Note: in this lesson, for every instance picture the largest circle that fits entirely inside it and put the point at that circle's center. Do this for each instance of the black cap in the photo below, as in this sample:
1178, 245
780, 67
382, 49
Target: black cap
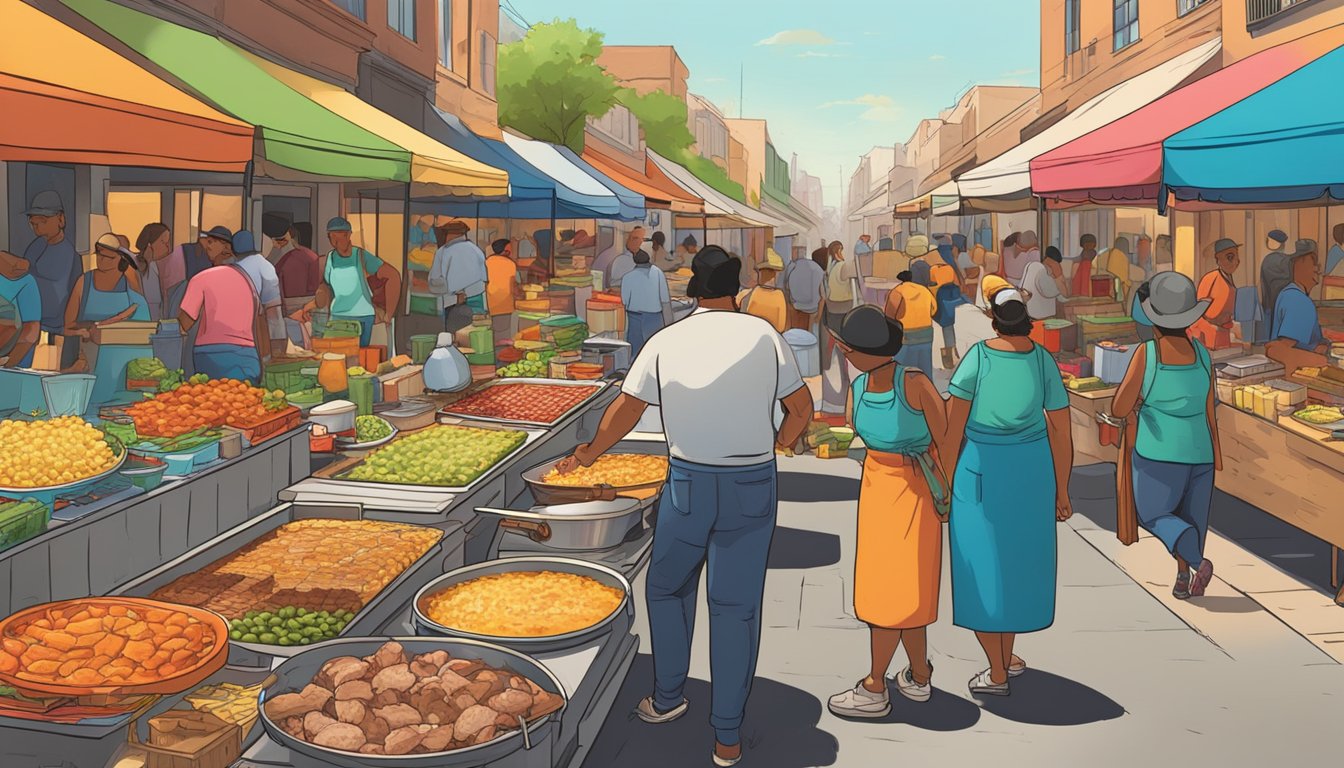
716, 275
868, 330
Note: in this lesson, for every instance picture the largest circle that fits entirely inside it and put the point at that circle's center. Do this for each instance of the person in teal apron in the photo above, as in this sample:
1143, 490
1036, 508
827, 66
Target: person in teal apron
346, 279
1176, 451
103, 295
1009, 416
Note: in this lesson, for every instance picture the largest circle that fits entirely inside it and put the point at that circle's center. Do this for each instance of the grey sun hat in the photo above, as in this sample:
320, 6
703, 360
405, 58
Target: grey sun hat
45, 203
1225, 244
1173, 301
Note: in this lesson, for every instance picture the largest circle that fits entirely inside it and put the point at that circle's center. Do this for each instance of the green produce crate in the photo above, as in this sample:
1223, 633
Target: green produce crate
342, 329
21, 521
288, 377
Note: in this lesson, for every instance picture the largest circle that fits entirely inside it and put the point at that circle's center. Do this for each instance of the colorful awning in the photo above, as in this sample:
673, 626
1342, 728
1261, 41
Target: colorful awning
591, 192
1282, 145
69, 99
436, 169
297, 133
632, 202
657, 192
1121, 163
721, 211
1004, 183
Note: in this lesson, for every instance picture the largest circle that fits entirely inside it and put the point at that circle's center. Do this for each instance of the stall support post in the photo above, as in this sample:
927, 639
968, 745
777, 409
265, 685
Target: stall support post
554, 242
248, 172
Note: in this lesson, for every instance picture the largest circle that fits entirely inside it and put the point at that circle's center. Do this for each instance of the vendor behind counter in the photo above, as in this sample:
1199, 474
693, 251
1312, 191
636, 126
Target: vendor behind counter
1296, 340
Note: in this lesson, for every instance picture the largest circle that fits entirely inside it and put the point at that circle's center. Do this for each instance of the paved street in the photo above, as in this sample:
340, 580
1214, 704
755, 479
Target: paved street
1126, 675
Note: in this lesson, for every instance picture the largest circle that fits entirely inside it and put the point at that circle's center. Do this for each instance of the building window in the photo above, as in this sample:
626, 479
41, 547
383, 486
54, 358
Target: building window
353, 7
1126, 23
401, 17
1071, 34
489, 51
1185, 6
446, 33
1260, 10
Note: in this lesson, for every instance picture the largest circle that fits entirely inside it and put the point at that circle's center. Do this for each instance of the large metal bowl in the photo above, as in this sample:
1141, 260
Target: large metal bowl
584, 526
547, 644
49, 493
298, 671
548, 494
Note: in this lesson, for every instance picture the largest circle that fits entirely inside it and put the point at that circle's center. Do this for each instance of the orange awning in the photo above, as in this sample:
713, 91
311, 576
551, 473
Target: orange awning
658, 191
88, 105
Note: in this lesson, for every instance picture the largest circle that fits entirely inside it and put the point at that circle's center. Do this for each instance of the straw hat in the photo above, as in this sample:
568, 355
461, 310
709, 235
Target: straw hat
917, 246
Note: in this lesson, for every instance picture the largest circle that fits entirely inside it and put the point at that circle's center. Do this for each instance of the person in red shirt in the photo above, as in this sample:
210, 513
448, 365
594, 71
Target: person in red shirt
297, 267
1082, 275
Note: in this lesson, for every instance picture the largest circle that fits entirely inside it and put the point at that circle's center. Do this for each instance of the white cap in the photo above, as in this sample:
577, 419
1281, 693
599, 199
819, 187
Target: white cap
445, 340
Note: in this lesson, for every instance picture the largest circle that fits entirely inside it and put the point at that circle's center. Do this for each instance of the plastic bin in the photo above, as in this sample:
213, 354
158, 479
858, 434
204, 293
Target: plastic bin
805, 350
68, 394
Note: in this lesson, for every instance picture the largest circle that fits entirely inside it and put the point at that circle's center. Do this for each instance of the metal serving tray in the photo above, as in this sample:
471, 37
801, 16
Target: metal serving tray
368, 619
598, 388
532, 434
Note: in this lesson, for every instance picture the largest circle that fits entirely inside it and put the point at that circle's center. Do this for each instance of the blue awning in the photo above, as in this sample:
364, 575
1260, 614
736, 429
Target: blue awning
632, 203
1281, 145
534, 193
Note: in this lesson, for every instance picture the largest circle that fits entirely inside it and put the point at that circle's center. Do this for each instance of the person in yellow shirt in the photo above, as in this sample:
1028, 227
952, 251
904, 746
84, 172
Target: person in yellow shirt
767, 300
913, 306
502, 290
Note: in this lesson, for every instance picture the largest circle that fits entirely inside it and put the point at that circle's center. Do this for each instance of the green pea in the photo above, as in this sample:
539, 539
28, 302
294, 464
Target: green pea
249, 638
235, 635
306, 641
302, 611
284, 640
268, 638
293, 624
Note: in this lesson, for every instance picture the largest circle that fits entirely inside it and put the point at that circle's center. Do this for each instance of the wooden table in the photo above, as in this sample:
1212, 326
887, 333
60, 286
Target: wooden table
1289, 471
1083, 410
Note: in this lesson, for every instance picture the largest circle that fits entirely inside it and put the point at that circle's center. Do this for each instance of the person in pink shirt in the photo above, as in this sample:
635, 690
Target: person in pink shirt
223, 302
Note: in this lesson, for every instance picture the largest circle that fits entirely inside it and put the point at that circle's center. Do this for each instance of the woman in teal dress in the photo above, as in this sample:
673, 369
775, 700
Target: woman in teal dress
106, 294
1009, 417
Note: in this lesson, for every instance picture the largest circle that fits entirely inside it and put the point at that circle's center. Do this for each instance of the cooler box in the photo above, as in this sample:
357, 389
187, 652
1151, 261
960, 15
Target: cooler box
805, 351
1103, 287
1057, 335
1109, 364
1077, 366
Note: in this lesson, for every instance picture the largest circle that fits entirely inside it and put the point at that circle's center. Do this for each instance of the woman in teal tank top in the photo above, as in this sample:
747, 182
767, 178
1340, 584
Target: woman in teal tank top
898, 556
1170, 388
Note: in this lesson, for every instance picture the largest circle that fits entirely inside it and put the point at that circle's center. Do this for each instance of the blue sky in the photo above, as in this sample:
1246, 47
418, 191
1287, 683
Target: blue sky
833, 77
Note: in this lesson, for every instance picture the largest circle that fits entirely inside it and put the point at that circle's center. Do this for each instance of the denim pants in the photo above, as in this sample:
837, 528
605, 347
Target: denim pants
1172, 502
640, 327
228, 361
725, 515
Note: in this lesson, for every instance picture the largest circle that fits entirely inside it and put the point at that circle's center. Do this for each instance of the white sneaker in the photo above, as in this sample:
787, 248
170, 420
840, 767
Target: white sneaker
981, 684
905, 683
650, 714
860, 702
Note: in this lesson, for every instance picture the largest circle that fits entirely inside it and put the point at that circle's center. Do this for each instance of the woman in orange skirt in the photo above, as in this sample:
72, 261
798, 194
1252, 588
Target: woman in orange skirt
900, 538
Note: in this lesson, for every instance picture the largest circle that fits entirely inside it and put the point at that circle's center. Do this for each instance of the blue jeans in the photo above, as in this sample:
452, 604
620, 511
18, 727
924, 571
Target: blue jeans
228, 361
1172, 502
640, 327
725, 515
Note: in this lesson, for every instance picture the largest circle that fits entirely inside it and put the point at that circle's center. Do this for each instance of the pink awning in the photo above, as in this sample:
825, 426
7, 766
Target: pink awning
1121, 162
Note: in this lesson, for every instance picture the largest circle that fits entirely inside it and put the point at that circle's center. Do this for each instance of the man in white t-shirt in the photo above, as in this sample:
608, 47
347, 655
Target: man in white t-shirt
717, 376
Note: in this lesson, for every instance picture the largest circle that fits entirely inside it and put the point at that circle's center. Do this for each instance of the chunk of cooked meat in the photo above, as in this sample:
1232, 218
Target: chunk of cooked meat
311, 699
512, 702
352, 711
452, 681
315, 722
438, 739
399, 715
544, 704
485, 734
386, 698
353, 690
389, 654
341, 670
375, 728
371, 749
397, 677
465, 667
293, 726
342, 736
472, 720
402, 740
463, 701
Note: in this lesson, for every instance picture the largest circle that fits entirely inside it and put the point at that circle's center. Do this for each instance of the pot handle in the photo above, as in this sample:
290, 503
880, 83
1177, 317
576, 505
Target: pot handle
606, 493
536, 531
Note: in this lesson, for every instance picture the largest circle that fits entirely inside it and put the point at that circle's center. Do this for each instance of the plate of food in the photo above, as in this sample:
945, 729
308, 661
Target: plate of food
370, 432
1326, 418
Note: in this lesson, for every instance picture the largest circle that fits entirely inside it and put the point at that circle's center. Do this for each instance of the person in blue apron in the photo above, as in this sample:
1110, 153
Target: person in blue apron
20, 312
104, 295
1009, 417
345, 290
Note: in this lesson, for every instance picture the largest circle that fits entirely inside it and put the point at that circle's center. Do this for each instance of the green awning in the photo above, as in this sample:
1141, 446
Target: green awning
297, 133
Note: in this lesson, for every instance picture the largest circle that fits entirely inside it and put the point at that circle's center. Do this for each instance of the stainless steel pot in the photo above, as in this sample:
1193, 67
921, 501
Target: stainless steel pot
603, 575
585, 526
296, 672
545, 493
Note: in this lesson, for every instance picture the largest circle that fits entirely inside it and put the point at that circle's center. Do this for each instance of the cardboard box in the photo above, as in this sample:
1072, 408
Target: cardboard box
888, 264
191, 739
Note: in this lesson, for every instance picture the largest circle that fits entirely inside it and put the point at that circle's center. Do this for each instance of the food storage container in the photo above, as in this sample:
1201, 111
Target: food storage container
546, 644
411, 414
144, 472
585, 526
421, 347
337, 416
68, 394
1288, 393
231, 444
297, 672
331, 373
21, 521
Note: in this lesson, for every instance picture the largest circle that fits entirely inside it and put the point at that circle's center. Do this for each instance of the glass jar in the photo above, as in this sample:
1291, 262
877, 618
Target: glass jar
331, 373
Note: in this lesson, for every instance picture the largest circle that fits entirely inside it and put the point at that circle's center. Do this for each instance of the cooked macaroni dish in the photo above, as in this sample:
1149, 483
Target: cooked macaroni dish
527, 604
616, 470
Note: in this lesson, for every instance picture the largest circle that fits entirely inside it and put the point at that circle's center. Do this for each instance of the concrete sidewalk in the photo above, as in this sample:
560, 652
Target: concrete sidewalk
1121, 676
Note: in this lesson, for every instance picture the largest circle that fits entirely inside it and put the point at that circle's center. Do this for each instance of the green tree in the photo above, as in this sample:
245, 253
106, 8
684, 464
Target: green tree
666, 130
549, 83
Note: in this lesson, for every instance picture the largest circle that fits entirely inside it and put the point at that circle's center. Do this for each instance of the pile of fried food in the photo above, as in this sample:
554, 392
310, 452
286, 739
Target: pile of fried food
105, 645
618, 470
390, 704
38, 454
318, 565
523, 604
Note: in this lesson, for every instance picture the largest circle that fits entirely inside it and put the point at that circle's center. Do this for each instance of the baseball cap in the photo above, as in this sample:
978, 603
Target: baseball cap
1278, 236
1225, 244
244, 244
339, 224
45, 203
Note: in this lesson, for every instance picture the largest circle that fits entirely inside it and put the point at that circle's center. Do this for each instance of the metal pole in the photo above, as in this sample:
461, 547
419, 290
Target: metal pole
551, 273
248, 172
